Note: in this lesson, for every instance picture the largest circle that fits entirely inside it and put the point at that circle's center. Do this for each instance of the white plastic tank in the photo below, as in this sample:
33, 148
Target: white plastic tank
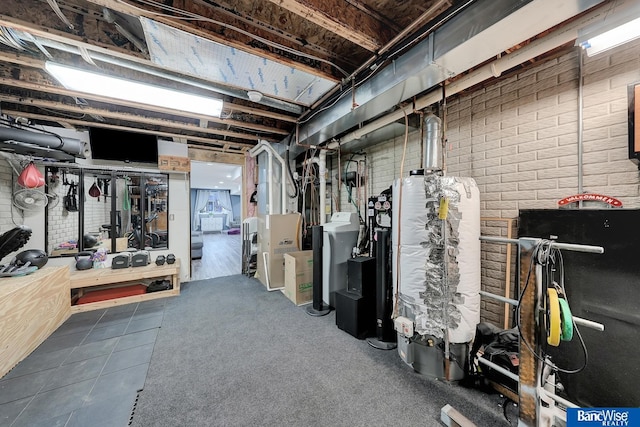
340, 236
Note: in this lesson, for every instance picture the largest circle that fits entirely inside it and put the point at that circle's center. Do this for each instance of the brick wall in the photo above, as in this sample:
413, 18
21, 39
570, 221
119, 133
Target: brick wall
62, 225
5, 199
518, 138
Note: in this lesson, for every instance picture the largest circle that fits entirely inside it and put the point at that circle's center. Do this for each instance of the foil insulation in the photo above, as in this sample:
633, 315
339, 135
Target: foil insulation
437, 261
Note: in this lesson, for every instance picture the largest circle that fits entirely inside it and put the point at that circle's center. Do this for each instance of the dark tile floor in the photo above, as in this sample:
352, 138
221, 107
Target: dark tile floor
87, 373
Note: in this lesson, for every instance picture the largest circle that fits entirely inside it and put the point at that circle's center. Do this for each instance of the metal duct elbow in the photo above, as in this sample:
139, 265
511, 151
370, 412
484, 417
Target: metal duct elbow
432, 144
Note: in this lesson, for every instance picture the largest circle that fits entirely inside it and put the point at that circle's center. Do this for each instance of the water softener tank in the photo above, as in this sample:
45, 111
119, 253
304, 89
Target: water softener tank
339, 237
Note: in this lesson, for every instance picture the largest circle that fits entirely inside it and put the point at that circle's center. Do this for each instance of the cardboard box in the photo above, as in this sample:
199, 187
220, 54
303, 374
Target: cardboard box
277, 235
298, 276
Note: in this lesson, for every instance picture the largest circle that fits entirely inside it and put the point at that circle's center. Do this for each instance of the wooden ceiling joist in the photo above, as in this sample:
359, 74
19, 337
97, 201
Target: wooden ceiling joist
351, 23
44, 86
152, 121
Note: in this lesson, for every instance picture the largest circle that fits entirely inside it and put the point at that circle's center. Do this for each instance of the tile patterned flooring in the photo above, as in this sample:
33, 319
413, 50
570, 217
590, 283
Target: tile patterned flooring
87, 373
90, 370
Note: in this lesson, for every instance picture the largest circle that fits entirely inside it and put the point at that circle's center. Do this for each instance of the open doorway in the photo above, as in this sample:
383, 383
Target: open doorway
216, 218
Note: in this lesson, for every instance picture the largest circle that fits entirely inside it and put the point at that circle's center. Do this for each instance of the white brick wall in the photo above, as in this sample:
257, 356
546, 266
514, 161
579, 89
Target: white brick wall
62, 225
518, 137
6, 207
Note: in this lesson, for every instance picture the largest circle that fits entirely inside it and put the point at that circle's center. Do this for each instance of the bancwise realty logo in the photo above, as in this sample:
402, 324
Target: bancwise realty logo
603, 417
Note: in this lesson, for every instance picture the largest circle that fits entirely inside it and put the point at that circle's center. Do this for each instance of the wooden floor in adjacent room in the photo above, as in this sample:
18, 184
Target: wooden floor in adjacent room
221, 256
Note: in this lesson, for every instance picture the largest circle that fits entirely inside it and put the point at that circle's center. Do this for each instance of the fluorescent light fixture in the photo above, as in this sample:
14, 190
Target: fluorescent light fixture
113, 87
612, 38
620, 26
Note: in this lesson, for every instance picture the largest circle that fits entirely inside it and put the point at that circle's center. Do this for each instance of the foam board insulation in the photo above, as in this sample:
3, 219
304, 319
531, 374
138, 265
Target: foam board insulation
186, 53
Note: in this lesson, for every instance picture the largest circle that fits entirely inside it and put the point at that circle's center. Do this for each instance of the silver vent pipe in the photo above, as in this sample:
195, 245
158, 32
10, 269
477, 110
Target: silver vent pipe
432, 143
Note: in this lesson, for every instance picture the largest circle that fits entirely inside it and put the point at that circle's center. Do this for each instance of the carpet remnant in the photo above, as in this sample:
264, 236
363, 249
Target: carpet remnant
230, 353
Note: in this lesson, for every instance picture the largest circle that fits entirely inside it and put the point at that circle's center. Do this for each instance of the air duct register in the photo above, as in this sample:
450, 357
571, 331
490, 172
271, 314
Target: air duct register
48, 145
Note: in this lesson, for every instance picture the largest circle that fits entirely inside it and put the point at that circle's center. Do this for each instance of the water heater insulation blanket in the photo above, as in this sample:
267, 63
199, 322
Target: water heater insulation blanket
439, 271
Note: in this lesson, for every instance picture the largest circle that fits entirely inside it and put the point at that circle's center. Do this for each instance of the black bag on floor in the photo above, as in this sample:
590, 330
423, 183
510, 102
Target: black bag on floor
501, 348
159, 285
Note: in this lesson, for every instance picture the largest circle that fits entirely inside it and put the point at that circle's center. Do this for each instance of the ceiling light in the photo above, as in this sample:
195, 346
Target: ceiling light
113, 87
254, 95
220, 182
615, 29
228, 176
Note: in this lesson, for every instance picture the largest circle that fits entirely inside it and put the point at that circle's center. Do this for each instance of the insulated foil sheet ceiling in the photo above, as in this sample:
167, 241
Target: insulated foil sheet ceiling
189, 54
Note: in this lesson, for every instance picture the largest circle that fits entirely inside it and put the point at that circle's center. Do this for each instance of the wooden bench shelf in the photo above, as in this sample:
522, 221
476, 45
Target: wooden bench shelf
31, 308
107, 276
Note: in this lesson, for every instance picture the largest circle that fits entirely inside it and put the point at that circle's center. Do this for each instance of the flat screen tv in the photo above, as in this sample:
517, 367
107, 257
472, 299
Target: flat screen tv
124, 146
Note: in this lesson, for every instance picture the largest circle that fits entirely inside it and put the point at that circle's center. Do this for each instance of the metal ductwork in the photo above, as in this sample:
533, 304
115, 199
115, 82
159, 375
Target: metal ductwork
432, 156
481, 31
38, 144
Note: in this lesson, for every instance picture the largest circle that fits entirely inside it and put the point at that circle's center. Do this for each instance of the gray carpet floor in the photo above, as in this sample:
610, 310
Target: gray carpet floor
229, 353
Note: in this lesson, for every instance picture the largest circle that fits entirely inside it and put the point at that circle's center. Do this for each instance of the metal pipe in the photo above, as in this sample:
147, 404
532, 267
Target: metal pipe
588, 324
499, 298
580, 124
566, 246
557, 398
499, 240
578, 248
578, 320
499, 368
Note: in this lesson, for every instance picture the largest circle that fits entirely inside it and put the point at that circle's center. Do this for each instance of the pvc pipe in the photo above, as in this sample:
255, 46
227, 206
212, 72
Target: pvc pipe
270, 172
559, 37
261, 147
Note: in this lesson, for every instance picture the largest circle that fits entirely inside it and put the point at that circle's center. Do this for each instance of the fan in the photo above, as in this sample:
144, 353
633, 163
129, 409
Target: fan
29, 199
53, 200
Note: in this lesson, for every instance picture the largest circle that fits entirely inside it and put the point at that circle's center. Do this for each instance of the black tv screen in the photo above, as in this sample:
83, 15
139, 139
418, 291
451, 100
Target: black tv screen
124, 146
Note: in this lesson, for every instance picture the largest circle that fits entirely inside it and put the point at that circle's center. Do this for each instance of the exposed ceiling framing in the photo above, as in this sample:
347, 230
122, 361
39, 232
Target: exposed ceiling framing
337, 43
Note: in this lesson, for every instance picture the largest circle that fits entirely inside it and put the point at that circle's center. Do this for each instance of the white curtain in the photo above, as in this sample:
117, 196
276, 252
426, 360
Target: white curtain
202, 197
224, 202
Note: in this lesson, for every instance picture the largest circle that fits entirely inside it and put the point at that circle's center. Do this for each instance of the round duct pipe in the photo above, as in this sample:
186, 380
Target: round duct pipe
71, 146
432, 143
